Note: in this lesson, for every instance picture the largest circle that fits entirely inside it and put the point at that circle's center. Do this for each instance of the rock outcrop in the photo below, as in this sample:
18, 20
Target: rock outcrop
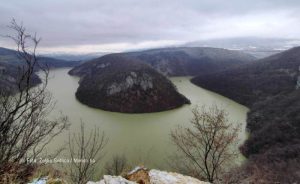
137, 176
298, 79
142, 175
107, 179
121, 84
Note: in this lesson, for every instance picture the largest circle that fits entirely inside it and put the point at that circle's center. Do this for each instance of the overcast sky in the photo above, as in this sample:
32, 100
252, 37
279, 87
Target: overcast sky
117, 25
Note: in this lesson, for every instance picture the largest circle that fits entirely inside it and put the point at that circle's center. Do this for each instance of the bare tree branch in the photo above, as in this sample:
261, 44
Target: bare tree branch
85, 152
116, 166
207, 148
25, 129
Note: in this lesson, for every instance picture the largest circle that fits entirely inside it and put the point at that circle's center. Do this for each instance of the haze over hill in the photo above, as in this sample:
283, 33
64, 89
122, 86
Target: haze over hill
10, 56
71, 56
184, 61
256, 46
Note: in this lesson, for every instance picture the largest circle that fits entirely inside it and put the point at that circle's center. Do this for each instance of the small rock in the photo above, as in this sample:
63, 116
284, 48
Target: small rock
163, 177
112, 180
139, 175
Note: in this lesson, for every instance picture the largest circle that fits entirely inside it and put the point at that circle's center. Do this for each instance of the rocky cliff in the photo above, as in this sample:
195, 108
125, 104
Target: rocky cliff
122, 84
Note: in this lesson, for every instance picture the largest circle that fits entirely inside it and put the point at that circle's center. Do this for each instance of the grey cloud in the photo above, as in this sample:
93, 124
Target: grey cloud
78, 22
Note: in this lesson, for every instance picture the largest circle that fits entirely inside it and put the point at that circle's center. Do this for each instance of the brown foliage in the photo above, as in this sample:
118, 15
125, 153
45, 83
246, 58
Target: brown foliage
116, 166
16, 173
140, 176
259, 171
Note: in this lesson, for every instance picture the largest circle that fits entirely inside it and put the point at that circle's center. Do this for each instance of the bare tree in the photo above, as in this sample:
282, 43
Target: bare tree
208, 147
24, 128
85, 152
116, 166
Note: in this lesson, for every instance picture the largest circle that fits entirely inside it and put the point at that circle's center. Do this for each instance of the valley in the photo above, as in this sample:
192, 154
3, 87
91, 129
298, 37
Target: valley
149, 92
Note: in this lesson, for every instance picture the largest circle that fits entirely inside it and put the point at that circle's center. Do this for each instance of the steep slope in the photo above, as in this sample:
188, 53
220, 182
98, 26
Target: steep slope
118, 83
8, 78
257, 80
271, 88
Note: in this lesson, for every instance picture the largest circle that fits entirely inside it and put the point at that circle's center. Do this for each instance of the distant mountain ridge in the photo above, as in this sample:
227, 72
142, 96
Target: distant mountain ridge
258, 47
186, 61
183, 61
9, 56
75, 56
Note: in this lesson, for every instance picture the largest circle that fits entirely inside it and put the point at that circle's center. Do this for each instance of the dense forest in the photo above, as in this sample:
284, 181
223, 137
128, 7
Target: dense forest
270, 87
